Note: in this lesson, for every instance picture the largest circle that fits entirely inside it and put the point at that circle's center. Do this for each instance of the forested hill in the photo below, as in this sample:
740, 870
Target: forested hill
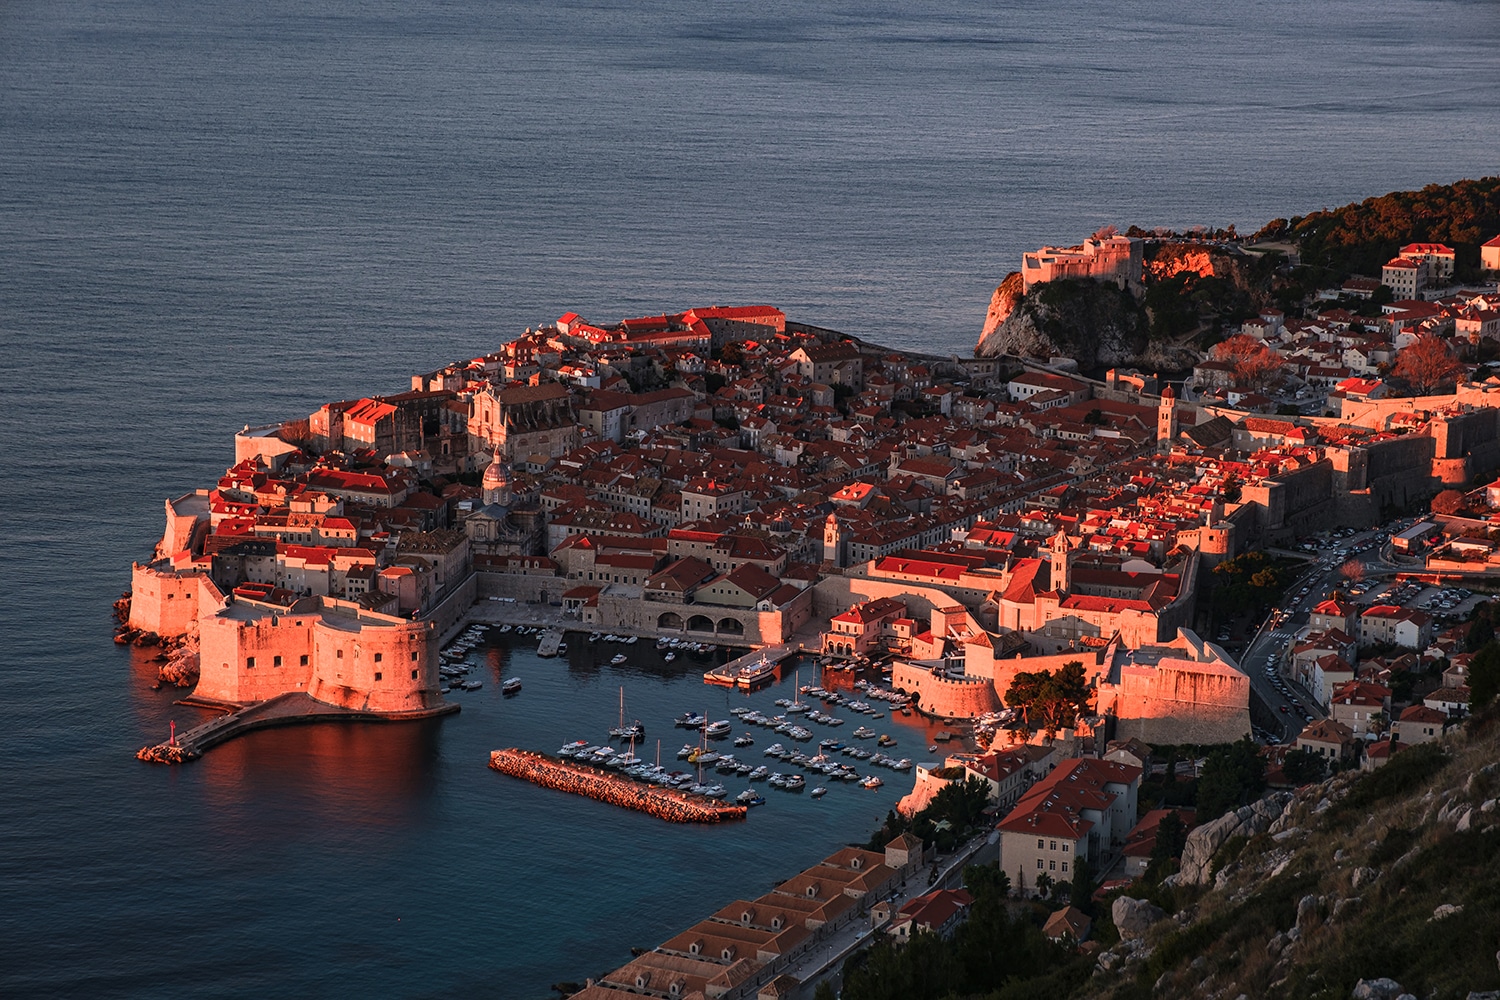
1359, 238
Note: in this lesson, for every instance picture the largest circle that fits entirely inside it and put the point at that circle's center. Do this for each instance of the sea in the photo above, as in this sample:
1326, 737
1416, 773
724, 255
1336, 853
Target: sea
215, 215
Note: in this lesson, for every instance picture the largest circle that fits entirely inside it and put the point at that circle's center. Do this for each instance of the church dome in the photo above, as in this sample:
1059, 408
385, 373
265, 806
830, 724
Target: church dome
496, 475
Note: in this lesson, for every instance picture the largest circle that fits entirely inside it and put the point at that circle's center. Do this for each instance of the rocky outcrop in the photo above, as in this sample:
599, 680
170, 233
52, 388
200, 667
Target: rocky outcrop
1133, 917
1002, 304
1095, 323
1204, 841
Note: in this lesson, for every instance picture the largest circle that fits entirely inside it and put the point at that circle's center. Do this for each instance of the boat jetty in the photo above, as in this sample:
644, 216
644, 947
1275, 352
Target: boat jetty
551, 642
663, 803
750, 671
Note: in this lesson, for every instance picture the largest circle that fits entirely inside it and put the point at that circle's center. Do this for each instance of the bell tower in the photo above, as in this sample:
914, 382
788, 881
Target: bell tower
835, 542
1062, 557
1166, 420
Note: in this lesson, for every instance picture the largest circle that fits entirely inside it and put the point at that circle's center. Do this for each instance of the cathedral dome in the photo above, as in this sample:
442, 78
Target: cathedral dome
496, 475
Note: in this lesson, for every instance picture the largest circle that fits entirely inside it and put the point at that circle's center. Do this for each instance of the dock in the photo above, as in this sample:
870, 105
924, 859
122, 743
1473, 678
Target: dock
757, 667
551, 639
292, 708
580, 779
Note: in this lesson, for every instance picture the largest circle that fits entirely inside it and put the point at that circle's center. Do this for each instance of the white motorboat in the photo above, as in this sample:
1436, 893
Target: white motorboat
512, 686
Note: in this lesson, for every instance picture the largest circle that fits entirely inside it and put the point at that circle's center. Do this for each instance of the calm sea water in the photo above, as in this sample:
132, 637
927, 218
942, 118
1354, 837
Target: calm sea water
219, 214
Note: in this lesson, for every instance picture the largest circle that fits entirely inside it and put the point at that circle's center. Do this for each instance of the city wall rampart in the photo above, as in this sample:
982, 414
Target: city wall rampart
162, 600
340, 655
1177, 702
944, 696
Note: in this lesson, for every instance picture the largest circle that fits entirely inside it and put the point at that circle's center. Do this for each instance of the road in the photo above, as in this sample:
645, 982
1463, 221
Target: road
1288, 702
826, 961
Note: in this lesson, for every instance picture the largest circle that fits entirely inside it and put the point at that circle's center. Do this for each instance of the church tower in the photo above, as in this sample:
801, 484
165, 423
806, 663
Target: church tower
1166, 420
1062, 558
835, 543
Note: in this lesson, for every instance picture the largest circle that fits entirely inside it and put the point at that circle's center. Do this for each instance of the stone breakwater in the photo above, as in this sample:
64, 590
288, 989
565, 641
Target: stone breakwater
663, 803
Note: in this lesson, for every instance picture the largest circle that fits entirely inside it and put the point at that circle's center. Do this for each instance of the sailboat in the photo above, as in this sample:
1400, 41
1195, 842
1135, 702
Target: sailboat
632, 732
796, 705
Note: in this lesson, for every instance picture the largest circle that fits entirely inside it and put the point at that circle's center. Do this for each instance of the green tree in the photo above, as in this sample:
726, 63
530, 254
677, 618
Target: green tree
1171, 837
824, 991
1481, 628
1055, 697
1484, 676
1233, 775
1044, 885
1081, 892
1303, 766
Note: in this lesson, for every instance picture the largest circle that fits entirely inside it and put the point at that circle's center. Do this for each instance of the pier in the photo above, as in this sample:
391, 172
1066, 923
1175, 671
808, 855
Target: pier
551, 639
663, 803
750, 671
288, 709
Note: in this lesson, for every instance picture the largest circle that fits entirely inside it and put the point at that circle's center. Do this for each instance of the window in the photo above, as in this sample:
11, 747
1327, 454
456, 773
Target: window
275, 661
1039, 864
1041, 844
414, 656
1065, 867
1067, 847
339, 654
1052, 846
378, 657
413, 675
377, 675
1052, 865
303, 660
249, 662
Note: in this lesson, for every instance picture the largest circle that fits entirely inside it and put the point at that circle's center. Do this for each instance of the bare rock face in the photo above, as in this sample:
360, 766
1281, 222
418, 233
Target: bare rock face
1204, 841
1002, 304
1133, 917
1377, 989
1095, 323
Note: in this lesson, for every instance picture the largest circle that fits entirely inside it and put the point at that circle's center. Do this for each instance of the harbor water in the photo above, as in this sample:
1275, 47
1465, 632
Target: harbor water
214, 215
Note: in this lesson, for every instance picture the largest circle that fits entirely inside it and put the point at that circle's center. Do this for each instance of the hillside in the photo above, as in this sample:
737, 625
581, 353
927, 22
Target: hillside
1360, 237
1392, 874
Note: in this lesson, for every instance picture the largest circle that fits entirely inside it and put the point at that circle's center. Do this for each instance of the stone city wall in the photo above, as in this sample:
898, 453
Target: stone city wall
943, 696
1175, 703
162, 600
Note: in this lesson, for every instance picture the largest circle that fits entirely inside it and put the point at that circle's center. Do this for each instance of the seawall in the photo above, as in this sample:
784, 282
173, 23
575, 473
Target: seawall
672, 806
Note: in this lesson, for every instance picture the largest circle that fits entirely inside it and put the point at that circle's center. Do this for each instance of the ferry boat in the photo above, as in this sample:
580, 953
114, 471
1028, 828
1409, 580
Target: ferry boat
512, 686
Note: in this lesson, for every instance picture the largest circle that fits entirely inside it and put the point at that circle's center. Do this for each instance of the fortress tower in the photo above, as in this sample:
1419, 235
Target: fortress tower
1166, 420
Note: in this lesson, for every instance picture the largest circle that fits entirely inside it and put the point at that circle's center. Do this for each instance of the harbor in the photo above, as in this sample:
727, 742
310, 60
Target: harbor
577, 779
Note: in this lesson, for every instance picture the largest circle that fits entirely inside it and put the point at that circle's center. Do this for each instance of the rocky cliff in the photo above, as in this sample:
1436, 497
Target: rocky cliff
1097, 324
